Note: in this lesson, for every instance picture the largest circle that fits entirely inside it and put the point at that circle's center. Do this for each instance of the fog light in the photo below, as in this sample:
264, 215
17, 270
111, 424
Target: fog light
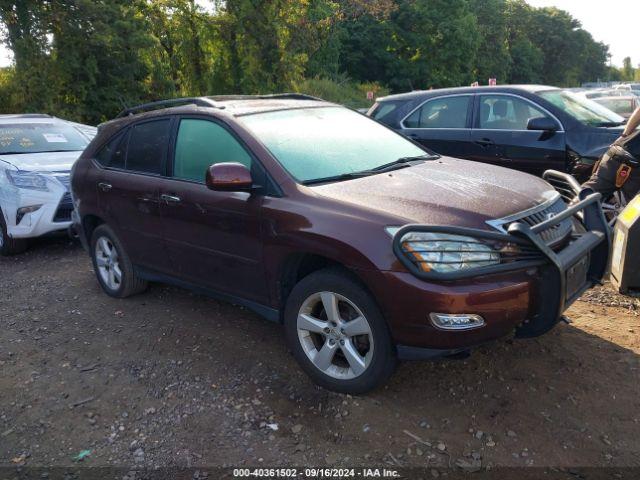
22, 211
461, 321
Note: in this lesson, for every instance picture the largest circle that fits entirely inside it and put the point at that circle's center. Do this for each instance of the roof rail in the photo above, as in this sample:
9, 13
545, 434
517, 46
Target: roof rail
291, 96
147, 107
25, 115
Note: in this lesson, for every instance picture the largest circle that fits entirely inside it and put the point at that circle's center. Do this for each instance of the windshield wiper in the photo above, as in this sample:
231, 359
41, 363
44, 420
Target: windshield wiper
403, 162
340, 178
397, 164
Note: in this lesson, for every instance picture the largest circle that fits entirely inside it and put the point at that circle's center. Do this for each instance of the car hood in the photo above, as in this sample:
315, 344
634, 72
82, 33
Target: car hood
42, 162
446, 191
592, 142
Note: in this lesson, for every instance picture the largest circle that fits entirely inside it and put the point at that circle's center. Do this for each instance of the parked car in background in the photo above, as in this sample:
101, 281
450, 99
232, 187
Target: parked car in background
622, 105
36, 155
531, 128
594, 93
364, 244
629, 87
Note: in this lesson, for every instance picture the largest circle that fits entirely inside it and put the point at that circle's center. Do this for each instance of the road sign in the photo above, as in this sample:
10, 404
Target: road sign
493, 82
370, 95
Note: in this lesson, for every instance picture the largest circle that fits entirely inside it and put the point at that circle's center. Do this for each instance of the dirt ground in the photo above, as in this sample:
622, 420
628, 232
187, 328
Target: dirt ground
169, 378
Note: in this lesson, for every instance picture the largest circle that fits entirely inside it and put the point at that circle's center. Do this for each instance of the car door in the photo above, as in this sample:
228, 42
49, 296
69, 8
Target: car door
213, 237
128, 199
500, 135
442, 124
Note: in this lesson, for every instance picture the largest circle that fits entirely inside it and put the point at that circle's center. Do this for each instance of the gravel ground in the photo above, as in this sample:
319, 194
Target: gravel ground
172, 379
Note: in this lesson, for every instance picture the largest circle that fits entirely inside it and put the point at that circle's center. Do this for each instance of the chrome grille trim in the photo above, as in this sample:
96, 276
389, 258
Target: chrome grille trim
539, 214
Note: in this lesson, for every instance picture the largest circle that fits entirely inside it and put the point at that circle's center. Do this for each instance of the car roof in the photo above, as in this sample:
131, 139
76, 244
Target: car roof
233, 105
471, 90
248, 106
27, 118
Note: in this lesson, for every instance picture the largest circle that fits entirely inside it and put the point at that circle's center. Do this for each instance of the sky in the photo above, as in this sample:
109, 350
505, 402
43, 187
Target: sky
613, 22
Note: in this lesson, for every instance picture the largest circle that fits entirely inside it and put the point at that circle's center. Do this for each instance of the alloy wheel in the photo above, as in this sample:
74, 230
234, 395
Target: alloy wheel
108, 264
335, 335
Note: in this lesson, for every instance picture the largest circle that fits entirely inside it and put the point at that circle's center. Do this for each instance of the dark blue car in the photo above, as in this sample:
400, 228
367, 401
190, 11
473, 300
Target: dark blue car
531, 128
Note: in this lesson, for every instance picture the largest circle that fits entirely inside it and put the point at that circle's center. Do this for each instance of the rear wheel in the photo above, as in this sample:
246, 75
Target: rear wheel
8, 245
112, 265
337, 333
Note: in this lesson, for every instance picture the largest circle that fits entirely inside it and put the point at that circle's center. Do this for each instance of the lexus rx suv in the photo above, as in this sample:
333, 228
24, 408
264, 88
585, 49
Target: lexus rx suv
365, 245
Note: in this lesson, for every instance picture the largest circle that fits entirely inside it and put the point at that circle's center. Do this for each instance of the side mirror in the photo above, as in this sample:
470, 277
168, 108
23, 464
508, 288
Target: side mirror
229, 177
544, 124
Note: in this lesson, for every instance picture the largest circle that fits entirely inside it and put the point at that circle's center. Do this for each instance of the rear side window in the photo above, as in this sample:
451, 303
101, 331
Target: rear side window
148, 143
113, 153
200, 144
447, 112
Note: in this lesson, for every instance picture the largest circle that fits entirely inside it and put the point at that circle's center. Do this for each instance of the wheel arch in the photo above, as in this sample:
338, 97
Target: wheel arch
89, 223
298, 265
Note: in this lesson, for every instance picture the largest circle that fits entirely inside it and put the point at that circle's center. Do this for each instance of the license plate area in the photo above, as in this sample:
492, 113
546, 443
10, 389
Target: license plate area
576, 277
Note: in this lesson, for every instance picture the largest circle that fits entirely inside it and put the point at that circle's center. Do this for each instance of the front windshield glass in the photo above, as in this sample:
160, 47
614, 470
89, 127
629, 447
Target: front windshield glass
582, 109
325, 142
39, 138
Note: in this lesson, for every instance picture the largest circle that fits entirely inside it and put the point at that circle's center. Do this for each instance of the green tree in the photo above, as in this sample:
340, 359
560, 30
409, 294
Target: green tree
493, 58
628, 72
258, 36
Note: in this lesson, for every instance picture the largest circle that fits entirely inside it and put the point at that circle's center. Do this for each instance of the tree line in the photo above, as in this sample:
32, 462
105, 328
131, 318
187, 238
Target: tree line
87, 59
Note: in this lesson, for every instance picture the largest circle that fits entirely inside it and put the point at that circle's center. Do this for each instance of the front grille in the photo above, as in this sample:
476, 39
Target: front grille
551, 236
65, 207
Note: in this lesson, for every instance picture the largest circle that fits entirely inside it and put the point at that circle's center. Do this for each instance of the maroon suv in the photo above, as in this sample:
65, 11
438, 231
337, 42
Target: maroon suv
365, 245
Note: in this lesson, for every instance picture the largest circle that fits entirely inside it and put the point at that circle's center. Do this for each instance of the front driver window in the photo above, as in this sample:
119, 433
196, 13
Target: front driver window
200, 144
447, 112
501, 112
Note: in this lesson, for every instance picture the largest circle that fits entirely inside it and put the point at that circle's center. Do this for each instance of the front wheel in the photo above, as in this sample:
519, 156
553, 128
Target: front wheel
337, 333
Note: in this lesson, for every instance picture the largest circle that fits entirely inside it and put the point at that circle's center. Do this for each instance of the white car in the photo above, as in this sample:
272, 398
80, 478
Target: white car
36, 155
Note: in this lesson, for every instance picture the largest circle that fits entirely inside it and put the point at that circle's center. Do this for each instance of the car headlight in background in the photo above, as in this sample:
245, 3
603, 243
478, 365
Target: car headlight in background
444, 253
27, 180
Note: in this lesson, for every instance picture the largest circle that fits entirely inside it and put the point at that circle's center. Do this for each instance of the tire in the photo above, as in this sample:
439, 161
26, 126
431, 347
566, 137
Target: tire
103, 244
10, 246
350, 357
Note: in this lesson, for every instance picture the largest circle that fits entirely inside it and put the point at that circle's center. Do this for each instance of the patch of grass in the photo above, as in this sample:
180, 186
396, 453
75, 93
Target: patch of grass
344, 91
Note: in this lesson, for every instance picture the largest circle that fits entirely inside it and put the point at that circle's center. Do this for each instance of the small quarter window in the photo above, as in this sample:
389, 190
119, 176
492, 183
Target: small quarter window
113, 153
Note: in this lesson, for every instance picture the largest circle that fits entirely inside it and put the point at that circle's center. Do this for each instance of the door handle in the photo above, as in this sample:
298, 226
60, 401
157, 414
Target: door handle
105, 187
485, 142
170, 199
412, 135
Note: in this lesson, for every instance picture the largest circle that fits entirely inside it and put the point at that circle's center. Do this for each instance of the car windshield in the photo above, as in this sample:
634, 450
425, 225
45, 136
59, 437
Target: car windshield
313, 144
39, 138
582, 109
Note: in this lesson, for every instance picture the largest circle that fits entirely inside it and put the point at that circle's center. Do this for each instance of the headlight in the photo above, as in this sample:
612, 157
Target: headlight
27, 180
443, 253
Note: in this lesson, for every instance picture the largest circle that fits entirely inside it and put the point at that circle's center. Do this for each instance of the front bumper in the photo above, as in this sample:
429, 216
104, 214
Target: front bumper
53, 215
530, 295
